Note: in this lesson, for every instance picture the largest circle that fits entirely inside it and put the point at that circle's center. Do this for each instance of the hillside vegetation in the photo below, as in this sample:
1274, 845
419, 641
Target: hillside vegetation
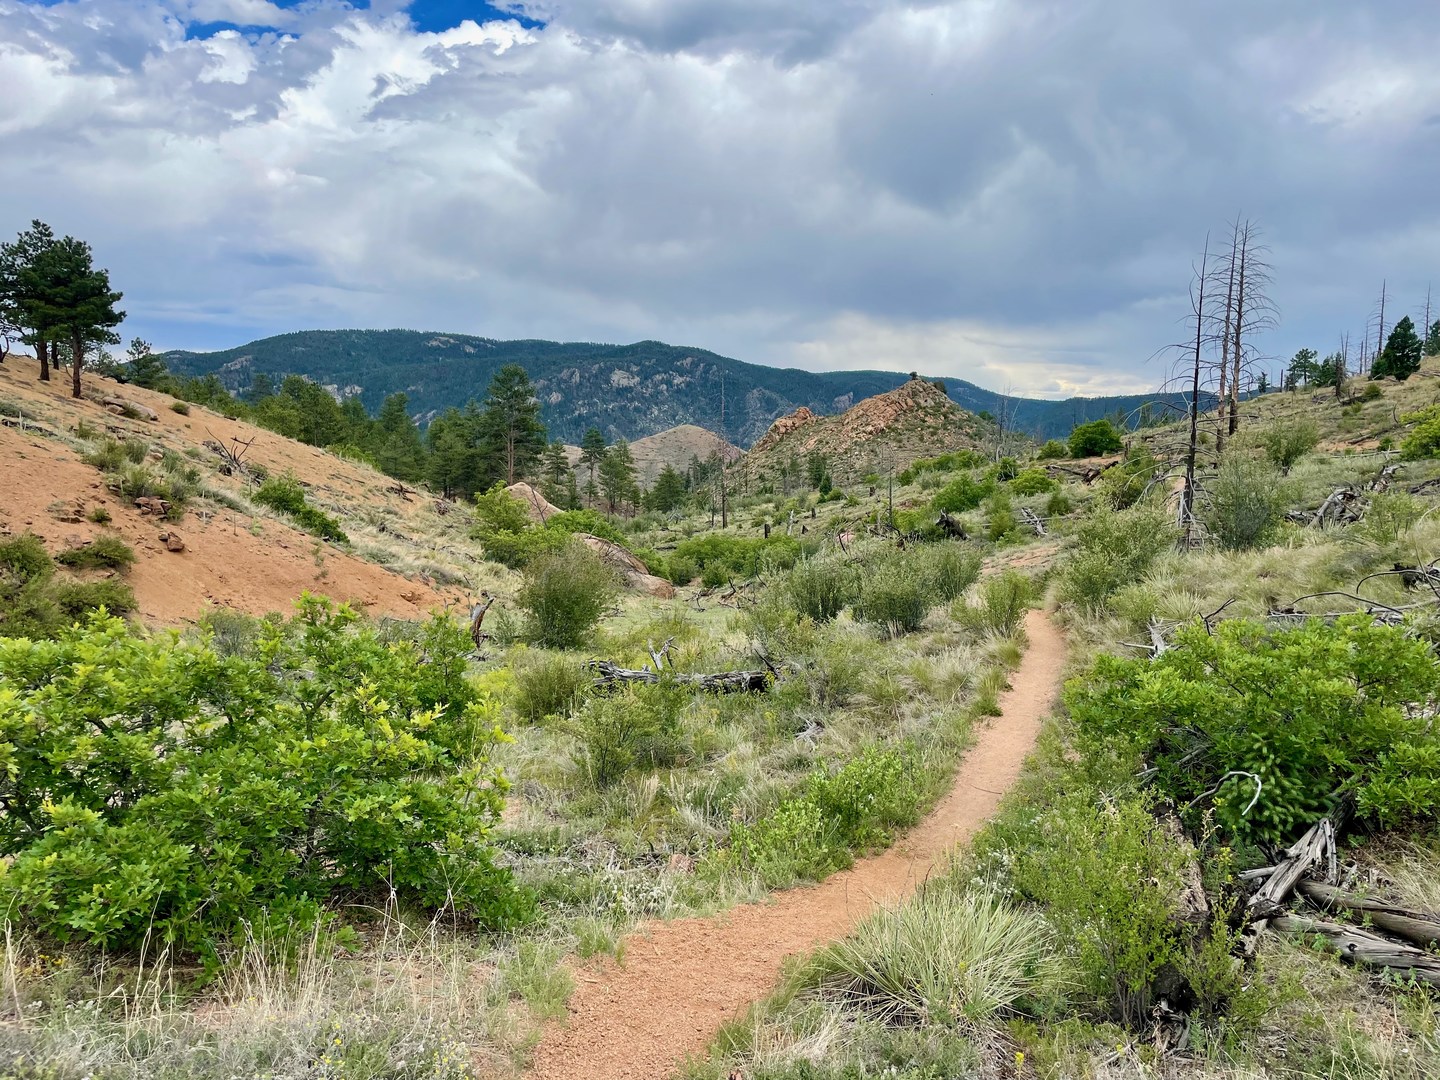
627, 391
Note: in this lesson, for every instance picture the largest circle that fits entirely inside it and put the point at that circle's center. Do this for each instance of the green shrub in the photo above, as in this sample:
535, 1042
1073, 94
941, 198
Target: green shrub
585, 521
136, 806
962, 493
1390, 515
1423, 440
1246, 502
946, 569
720, 558
1287, 441
1094, 439
1316, 712
1109, 876
1001, 605
99, 515
284, 494
107, 456
637, 728
1372, 392
78, 598
1052, 449
1113, 548
894, 595
857, 807
1058, 505
547, 684
1033, 482
27, 602
1125, 484
564, 594
949, 957
180, 407
1000, 516
822, 586
960, 459
104, 552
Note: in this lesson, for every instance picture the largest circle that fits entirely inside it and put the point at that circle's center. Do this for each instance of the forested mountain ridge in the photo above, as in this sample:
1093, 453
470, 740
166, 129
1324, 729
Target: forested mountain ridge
628, 391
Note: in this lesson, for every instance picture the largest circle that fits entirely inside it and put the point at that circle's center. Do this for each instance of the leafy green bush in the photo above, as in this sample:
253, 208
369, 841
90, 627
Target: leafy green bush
585, 521
1315, 712
1109, 876
894, 595
1372, 392
1052, 449
946, 569
638, 727
1287, 441
547, 684
1391, 513
564, 594
1246, 502
180, 407
857, 807
1095, 438
77, 598
1033, 482
962, 493
284, 493
1123, 485
948, 957
107, 552
1000, 518
1113, 548
1001, 605
720, 558
1423, 440
960, 459
156, 787
1058, 505
822, 586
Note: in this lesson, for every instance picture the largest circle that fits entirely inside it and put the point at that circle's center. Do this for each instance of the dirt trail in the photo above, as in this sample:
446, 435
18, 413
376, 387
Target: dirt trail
681, 980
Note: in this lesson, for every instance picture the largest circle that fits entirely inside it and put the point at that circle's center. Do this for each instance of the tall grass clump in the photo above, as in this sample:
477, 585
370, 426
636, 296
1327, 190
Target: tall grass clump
895, 595
1114, 548
564, 595
949, 957
547, 684
1000, 605
1287, 441
947, 569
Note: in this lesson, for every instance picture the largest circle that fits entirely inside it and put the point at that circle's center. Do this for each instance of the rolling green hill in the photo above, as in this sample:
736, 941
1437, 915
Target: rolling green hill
627, 391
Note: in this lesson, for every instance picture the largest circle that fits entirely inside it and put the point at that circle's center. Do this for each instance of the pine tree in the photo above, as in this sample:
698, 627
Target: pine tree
668, 491
1432, 339
511, 432
617, 477
143, 367
398, 449
1402, 353
592, 452
22, 290
557, 479
76, 301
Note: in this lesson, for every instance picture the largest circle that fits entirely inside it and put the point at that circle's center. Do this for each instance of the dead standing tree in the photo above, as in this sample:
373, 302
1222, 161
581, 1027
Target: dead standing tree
1247, 311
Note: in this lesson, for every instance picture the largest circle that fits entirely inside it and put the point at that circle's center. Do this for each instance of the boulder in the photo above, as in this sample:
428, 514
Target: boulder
636, 574
536, 505
151, 504
172, 542
126, 407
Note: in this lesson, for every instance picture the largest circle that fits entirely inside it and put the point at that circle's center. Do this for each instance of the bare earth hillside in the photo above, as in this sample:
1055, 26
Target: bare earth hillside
674, 447
880, 434
249, 558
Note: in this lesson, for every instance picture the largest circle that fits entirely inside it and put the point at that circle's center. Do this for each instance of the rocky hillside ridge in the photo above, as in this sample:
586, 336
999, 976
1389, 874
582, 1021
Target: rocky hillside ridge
674, 447
407, 554
628, 391
882, 433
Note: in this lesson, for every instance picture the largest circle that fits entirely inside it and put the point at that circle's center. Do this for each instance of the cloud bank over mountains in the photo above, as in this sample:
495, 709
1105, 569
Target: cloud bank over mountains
1010, 192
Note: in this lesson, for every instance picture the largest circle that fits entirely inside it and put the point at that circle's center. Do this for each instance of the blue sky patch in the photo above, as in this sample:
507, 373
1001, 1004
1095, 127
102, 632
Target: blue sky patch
430, 16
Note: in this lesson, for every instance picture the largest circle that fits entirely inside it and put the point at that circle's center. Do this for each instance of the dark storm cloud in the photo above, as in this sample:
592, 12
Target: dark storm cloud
1007, 191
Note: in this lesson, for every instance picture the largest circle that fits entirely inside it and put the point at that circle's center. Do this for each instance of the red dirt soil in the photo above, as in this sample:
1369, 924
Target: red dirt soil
681, 980
223, 564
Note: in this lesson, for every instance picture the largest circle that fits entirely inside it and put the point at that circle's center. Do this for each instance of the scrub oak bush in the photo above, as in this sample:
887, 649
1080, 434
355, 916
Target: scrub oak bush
564, 594
637, 728
1245, 502
157, 789
1316, 712
107, 552
718, 559
1095, 438
284, 494
822, 586
1033, 482
1113, 548
35, 604
1287, 441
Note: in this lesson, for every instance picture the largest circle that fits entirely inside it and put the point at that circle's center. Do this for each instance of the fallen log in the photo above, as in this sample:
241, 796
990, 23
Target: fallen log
1420, 927
1370, 950
1317, 843
720, 682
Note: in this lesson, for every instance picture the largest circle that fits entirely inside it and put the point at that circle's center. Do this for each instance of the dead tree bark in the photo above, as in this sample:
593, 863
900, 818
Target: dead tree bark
1422, 928
1187, 498
1370, 950
720, 682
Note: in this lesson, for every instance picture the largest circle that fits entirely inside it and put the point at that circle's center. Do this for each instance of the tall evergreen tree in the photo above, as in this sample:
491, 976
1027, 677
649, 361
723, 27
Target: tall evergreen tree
510, 425
76, 301
1402, 353
617, 477
668, 491
143, 367
22, 290
592, 452
1432, 339
557, 479
398, 449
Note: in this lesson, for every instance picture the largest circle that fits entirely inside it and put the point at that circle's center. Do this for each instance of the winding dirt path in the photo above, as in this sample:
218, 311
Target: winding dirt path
681, 980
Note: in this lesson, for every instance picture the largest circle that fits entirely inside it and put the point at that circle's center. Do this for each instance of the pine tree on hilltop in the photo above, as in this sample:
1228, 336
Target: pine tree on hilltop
617, 477
1402, 353
592, 452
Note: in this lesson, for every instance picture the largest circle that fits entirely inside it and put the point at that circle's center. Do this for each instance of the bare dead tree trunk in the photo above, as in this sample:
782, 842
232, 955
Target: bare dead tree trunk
1342, 365
1225, 334
1238, 323
1187, 497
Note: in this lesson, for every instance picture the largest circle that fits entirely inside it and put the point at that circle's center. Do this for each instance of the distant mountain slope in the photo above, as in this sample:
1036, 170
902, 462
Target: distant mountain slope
627, 391
674, 447
880, 435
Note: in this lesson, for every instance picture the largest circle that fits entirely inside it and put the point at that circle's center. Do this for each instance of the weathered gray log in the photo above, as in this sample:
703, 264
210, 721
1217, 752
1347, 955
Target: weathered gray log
1316, 844
1370, 950
719, 682
1420, 927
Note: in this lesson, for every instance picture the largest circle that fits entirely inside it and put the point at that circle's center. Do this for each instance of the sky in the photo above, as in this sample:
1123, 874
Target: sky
1007, 191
